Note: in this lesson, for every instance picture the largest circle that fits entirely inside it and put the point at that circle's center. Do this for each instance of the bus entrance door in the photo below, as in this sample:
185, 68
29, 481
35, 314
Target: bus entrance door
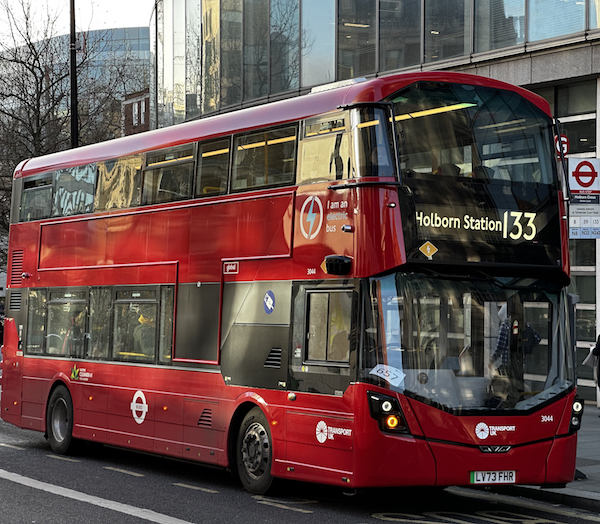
320, 422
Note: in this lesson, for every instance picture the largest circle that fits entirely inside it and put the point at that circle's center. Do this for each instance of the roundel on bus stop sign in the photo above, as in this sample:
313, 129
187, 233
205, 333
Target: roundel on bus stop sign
583, 175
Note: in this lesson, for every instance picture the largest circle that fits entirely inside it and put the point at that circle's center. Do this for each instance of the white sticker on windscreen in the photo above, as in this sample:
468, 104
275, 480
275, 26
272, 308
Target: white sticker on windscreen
388, 373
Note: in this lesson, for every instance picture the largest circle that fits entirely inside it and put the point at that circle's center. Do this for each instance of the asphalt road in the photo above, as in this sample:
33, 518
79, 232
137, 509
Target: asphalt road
101, 485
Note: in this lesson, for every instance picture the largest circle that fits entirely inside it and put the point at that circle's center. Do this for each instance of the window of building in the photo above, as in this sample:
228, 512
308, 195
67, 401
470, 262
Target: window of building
256, 51
284, 52
231, 52
399, 34
582, 252
211, 55
498, 24
575, 106
576, 99
447, 29
553, 18
318, 42
357, 38
135, 114
594, 14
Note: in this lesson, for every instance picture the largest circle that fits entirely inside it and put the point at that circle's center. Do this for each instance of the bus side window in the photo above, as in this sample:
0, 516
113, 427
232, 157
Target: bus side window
265, 158
74, 190
36, 321
134, 332
99, 330
213, 168
67, 316
325, 150
167, 305
168, 176
36, 201
118, 183
329, 326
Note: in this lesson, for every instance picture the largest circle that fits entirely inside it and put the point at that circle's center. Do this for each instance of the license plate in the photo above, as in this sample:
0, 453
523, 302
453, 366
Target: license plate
493, 477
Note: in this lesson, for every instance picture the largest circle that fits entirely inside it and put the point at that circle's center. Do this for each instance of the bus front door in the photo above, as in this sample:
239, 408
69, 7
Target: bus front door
319, 417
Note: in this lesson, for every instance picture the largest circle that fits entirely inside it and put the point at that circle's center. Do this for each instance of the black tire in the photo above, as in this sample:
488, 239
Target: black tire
254, 453
59, 421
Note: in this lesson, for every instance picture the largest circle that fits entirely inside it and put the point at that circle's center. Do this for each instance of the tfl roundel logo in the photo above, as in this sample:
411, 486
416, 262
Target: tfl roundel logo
482, 430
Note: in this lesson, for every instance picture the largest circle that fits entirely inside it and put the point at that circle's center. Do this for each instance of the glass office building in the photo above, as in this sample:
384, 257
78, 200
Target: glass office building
214, 56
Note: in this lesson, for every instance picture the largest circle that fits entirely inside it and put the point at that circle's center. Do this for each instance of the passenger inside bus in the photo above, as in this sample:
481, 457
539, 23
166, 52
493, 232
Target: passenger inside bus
143, 336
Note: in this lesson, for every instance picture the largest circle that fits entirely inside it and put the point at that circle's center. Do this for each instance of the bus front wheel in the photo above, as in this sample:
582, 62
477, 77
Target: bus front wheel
254, 452
59, 421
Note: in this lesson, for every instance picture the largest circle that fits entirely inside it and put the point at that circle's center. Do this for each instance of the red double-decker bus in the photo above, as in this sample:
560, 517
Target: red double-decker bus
362, 286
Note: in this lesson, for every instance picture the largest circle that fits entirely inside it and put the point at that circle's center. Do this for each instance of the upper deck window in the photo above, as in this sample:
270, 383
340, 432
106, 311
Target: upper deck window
325, 149
36, 200
373, 142
265, 158
118, 183
486, 134
213, 167
74, 190
168, 176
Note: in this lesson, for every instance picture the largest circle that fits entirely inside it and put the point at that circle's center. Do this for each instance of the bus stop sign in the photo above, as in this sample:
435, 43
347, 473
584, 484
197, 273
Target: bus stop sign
585, 176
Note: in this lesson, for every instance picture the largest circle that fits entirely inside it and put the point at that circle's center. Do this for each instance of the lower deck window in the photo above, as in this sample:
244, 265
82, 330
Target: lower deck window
103, 323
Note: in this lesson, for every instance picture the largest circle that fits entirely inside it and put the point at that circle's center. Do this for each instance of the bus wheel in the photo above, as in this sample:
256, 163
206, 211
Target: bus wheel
59, 420
254, 453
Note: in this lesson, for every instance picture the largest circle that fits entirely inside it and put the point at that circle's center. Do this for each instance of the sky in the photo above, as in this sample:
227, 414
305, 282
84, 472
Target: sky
98, 14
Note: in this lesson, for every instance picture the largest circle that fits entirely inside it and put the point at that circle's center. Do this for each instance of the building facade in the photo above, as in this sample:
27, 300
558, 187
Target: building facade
214, 56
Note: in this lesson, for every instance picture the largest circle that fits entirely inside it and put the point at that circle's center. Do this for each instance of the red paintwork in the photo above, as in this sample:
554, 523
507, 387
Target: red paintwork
263, 232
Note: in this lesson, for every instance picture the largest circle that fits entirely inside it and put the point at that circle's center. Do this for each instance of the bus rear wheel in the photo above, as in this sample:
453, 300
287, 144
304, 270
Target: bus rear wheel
254, 453
59, 421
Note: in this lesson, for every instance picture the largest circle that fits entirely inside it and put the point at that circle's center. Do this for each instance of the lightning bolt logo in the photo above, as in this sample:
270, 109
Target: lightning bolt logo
311, 216
314, 217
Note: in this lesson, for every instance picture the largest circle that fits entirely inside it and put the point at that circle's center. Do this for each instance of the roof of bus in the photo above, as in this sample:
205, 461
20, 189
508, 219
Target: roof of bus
323, 100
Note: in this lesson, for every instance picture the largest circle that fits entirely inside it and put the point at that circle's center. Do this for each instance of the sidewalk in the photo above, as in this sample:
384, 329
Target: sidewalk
584, 492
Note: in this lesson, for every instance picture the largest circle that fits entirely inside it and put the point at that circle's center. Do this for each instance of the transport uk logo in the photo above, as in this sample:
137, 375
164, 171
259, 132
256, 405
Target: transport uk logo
325, 432
139, 407
483, 431
311, 217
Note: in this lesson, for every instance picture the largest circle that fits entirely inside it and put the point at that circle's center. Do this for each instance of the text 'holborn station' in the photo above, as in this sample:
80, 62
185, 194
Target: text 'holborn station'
514, 224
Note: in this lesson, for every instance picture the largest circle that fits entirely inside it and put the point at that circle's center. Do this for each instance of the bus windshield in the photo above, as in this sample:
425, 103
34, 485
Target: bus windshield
485, 134
468, 343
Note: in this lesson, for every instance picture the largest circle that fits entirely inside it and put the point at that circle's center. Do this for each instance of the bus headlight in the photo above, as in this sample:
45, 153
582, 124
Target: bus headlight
386, 411
576, 415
